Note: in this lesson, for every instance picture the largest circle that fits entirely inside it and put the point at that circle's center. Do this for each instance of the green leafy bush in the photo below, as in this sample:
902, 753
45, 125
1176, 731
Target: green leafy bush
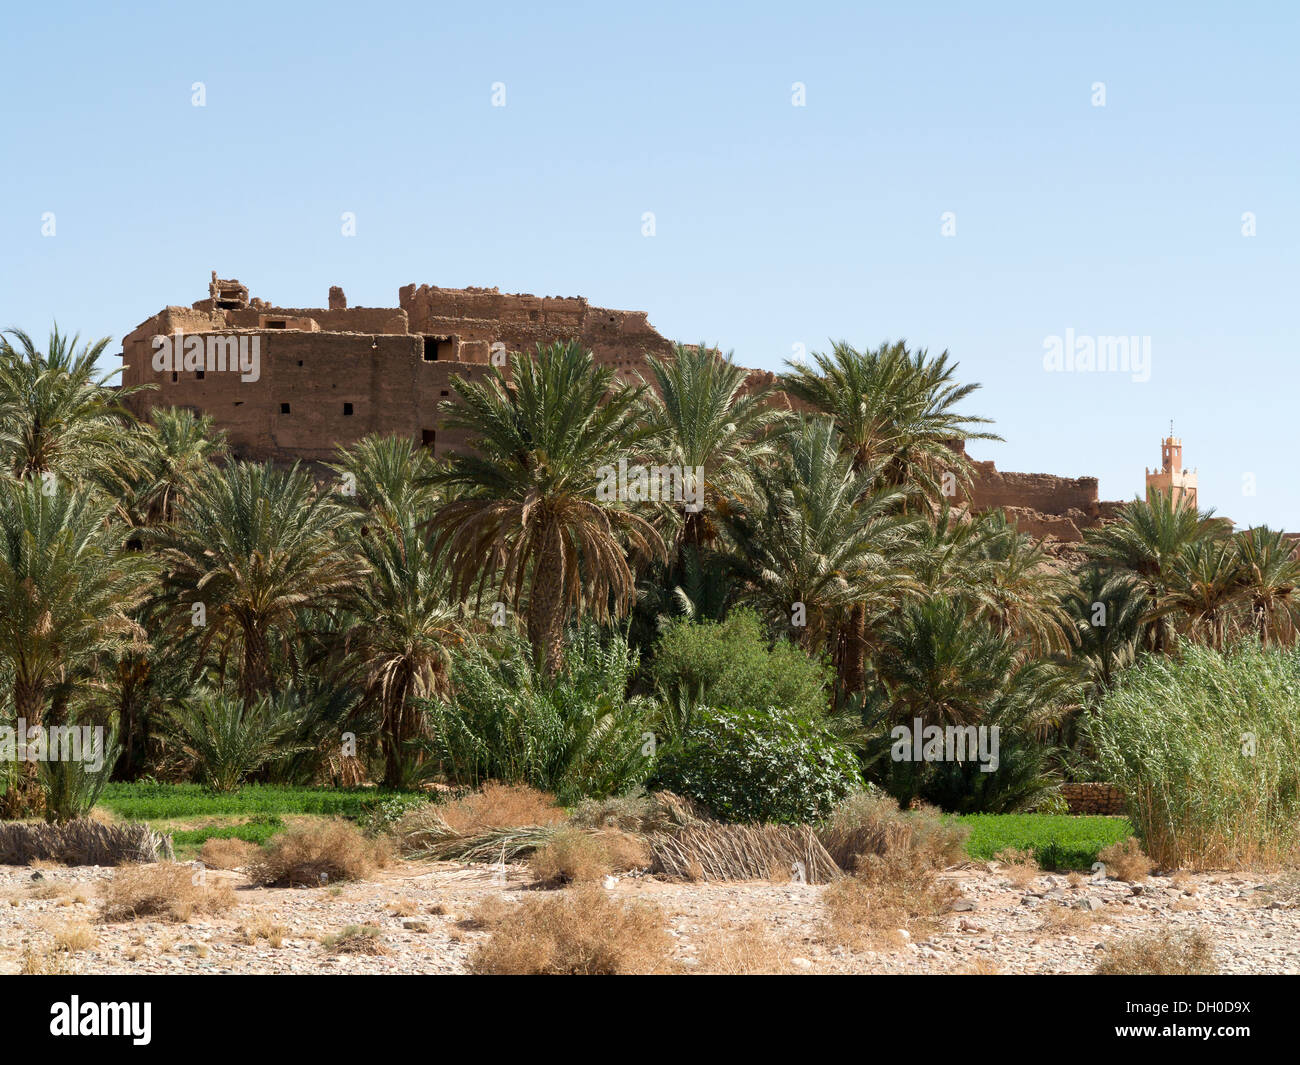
384, 813
577, 735
734, 663
1207, 747
71, 787
228, 741
774, 764
939, 664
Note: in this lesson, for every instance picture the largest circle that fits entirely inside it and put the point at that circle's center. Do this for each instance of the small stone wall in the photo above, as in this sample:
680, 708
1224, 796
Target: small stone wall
1094, 799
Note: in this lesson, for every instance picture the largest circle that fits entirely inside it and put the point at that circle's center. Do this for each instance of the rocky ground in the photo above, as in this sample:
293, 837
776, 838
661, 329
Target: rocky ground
1047, 924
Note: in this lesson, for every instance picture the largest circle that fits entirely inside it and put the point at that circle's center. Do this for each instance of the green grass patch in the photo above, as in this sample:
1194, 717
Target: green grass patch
256, 830
1057, 841
158, 802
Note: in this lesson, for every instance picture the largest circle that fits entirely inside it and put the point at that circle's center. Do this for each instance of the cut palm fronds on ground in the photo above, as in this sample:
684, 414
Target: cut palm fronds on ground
714, 851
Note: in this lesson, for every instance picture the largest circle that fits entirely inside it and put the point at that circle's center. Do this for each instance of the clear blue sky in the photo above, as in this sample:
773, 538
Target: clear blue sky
775, 225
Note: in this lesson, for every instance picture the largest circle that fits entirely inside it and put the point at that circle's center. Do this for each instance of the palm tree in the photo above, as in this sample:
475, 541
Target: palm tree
1020, 587
57, 416
896, 413
705, 416
940, 664
820, 539
529, 509
1207, 585
1148, 540
228, 740
388, 475
254, 546
701, 587
997, 573
176, 447
949, 552
67, 589
403, 630
1108, 608
1270, 576
167, 455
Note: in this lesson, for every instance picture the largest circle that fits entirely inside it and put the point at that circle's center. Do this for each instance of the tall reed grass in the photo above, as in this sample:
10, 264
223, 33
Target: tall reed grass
1207, 745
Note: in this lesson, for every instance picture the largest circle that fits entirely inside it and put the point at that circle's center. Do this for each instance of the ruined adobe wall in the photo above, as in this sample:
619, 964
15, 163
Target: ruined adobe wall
617, 338
1068, 527
1032, 491
1040, 504
377, 361
137, 348
345, 320
389, 385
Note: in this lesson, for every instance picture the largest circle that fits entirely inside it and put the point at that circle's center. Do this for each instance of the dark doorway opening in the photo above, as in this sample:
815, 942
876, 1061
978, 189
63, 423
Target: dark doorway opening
438, 349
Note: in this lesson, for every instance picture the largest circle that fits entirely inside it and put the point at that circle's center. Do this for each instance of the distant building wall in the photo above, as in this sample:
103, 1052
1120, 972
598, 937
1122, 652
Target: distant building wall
329, 376
1040, 504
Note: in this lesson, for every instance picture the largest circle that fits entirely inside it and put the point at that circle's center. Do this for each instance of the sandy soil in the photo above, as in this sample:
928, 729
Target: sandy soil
422, 910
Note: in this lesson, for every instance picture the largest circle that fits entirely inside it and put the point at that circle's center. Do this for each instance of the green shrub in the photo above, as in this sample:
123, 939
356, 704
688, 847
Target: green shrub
384, 813
734, 663
1207, 747
774, 764
71, 787
577, 735
228, 741
940, 664
1053, 803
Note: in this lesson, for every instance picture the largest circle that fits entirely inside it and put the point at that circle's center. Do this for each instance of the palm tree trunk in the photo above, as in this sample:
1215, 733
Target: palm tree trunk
133, 724
255, 681
853, 650
392, 745
692, 529
401, 725
26, 797
546, 604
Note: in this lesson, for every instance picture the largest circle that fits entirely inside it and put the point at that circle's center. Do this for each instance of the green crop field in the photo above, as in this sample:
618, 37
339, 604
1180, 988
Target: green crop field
165, 802
256, 812
1057, 841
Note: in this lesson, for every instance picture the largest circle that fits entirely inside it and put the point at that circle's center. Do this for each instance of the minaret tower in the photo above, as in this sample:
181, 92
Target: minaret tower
1172, 478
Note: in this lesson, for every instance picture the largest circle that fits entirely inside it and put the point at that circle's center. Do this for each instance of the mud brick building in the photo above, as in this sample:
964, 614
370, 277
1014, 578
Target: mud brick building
327, 376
